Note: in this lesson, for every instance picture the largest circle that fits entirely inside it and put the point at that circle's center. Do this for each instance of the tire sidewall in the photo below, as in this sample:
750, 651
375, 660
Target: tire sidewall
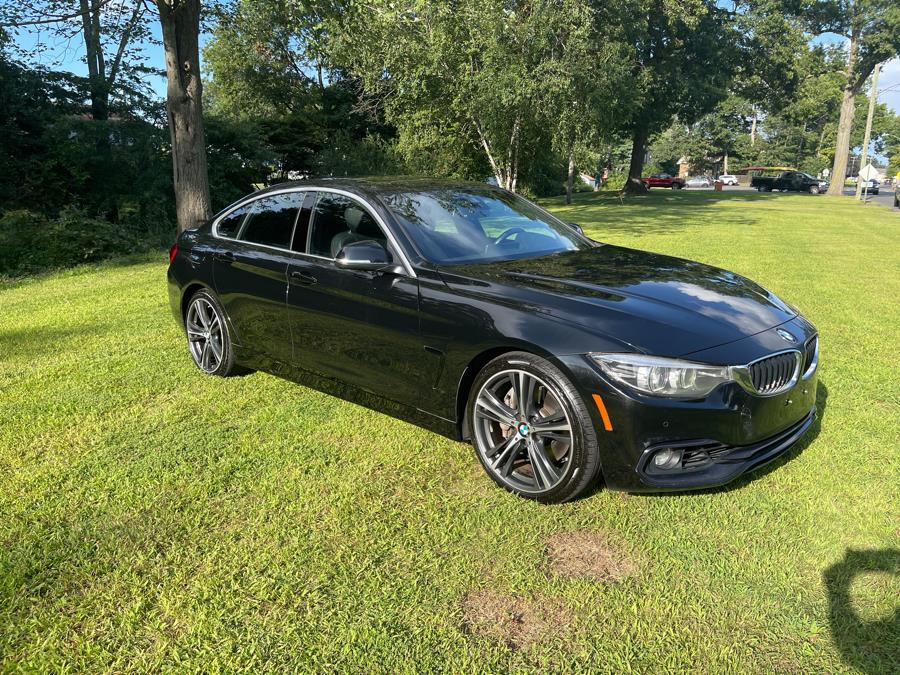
583, 467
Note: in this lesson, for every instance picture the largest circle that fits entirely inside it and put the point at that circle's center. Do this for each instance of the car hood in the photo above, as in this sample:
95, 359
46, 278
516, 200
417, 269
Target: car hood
654, 303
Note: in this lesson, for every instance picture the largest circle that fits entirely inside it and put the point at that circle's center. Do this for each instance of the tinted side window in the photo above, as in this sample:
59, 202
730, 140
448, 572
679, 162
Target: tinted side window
337, 221
272, 220
230, 225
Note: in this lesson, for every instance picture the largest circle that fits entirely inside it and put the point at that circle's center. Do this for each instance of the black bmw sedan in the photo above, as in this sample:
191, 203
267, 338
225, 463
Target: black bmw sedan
472, 312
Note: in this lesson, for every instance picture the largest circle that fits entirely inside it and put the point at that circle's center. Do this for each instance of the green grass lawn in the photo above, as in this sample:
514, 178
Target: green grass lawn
155, 518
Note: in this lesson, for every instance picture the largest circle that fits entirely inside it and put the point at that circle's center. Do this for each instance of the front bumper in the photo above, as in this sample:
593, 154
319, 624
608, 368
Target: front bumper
719, 464
729, 433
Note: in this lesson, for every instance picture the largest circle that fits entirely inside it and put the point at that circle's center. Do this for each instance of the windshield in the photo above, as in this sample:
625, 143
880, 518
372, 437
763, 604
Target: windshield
464, 225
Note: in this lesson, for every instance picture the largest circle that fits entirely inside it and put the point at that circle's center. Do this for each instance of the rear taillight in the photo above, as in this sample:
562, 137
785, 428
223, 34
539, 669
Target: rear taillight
173, 252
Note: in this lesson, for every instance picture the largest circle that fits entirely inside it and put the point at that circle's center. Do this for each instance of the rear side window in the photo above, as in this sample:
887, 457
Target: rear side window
272, 220
230, 225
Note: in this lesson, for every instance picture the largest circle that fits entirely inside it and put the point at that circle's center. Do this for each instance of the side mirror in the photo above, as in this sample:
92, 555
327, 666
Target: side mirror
364, 255
576, 227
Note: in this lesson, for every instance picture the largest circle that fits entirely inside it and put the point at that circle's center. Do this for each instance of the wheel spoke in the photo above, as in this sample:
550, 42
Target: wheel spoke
523, 388
506, 457
204, 355
194, 335
554, 436
494, 409
217, 349
545, 474
527, 385
557, 422
202, 314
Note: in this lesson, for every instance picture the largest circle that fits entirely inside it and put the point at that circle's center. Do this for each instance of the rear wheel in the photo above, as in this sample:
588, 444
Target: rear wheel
209, 341
531, 430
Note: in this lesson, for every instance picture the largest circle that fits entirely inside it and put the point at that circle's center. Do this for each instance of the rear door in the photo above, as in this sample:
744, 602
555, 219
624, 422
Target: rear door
250, 272
356, 326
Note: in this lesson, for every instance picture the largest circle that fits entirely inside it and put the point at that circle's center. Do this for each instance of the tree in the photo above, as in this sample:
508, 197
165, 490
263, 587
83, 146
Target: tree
113, 34
872, 31
682, 60
268, 69
180, 21
470, 79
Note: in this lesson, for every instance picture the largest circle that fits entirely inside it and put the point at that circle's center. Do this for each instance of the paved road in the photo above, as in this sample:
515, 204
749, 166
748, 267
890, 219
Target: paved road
884, 197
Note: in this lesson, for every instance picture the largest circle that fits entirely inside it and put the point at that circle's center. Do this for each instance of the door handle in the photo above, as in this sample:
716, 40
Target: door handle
304, 278
224, 256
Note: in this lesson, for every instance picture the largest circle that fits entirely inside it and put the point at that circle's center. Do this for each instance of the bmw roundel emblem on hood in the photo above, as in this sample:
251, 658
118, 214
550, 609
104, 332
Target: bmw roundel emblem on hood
785, 335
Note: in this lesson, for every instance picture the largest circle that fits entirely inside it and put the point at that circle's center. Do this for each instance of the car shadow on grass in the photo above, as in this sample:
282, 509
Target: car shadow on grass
792, 453
872, 646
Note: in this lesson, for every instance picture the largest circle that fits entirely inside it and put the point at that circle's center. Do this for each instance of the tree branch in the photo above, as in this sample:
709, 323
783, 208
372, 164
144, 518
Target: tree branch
59, 18
123, 42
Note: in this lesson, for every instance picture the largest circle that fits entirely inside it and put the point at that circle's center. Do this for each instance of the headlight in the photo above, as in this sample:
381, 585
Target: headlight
663, 377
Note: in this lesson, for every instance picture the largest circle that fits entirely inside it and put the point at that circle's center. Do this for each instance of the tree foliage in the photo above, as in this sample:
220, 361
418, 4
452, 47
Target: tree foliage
481, 86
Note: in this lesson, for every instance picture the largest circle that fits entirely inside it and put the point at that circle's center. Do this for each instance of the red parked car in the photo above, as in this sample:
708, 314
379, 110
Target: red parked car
663, 180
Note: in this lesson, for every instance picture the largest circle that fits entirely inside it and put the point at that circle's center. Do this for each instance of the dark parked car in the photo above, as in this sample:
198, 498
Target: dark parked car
789, 181
472, 312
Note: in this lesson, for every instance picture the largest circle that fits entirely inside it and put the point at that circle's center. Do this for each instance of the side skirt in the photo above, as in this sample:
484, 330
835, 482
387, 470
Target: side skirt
347, 392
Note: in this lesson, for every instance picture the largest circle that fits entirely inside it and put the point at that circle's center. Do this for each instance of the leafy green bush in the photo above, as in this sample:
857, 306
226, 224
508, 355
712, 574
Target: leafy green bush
616, 181
31, 242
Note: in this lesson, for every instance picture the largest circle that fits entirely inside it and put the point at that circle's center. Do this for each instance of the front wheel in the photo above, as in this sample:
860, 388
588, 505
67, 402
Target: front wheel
531, 431
814, 189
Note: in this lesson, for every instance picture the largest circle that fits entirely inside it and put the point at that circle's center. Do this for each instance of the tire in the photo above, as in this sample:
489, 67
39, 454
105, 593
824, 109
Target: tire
209, 339
814, 189
507, 437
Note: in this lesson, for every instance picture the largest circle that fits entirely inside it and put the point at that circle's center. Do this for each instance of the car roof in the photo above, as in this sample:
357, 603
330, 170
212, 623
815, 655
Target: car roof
379, 185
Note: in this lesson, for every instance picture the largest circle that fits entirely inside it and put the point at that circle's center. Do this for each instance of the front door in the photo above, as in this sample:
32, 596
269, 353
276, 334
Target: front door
250, 274
358, 327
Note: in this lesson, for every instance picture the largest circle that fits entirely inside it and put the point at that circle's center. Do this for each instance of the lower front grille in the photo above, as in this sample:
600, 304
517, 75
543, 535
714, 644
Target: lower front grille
774, 374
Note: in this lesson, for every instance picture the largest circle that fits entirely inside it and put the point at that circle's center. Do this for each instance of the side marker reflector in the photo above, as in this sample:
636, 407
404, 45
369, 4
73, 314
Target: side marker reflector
603, 414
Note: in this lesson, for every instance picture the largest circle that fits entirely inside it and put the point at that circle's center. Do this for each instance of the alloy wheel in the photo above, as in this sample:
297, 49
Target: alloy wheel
522, 431
205, 338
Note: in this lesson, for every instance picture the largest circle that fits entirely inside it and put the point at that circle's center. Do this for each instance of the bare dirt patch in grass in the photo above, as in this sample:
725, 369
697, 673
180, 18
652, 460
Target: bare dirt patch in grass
513, 620
588, 555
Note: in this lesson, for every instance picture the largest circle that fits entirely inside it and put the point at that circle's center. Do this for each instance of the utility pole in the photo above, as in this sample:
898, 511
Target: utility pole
873, 97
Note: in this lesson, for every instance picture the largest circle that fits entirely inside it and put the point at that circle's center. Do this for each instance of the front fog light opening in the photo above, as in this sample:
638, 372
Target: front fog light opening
666, 459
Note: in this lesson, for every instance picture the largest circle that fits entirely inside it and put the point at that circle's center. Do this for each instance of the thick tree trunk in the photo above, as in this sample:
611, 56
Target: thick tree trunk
180, 21
633, 185
845, 125
570, 177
